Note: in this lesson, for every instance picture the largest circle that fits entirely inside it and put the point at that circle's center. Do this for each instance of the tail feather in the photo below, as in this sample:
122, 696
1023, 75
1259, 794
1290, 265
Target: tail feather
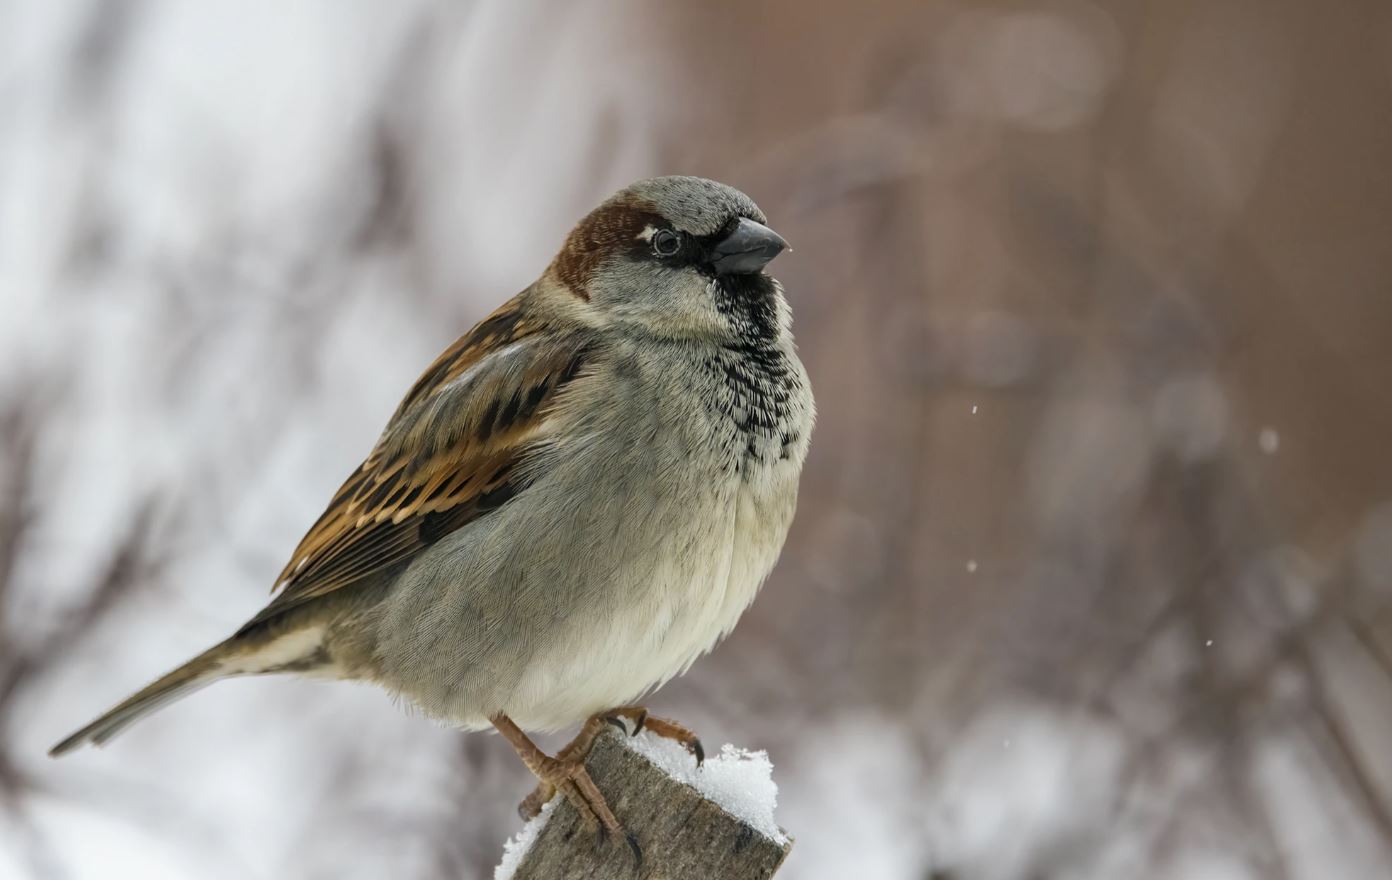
194, 675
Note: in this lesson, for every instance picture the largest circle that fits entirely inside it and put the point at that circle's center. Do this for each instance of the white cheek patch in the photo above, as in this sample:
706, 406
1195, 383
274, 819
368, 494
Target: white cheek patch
648, 232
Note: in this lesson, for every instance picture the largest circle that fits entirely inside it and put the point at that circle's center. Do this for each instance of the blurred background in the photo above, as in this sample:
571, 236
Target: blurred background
1092, 571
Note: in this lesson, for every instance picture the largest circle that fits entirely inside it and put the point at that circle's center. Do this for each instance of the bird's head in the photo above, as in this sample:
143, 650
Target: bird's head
677, 257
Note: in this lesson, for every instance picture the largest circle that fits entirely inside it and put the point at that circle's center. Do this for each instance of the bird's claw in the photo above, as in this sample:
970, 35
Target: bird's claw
661, 727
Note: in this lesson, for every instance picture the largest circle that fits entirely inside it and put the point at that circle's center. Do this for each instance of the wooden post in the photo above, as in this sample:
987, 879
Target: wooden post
683, 835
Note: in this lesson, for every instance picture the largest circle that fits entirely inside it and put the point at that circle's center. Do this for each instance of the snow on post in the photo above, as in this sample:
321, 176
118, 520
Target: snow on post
712, 823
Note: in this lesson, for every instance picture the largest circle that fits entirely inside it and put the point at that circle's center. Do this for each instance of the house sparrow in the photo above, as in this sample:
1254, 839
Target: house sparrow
573, 503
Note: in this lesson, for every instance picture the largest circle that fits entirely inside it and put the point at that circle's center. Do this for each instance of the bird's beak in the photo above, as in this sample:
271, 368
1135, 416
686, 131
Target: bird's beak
747, 249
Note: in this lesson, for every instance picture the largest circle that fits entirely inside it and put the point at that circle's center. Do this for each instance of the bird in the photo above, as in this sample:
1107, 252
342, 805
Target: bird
574, 502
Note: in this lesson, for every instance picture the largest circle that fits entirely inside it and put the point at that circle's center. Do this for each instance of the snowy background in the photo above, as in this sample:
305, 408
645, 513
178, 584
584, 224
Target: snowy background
1092, 574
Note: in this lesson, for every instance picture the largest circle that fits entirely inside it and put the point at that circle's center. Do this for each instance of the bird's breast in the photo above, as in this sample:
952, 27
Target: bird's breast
733, 433
760, 403
701, 493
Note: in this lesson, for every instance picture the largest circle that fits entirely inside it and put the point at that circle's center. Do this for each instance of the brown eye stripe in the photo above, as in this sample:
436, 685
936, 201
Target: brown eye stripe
608, 230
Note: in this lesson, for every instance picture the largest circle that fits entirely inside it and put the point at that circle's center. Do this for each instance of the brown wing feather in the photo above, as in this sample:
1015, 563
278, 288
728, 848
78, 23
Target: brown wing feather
449, 455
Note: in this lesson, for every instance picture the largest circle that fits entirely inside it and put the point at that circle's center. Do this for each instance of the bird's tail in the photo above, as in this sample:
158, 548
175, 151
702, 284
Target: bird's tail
251, 652
198, 673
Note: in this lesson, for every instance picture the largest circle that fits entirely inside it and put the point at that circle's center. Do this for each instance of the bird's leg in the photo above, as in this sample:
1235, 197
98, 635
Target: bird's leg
569, 777
577, 749
660, 726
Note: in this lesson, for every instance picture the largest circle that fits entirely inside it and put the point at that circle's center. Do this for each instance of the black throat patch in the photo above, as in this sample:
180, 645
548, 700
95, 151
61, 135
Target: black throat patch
748, 303
758, 378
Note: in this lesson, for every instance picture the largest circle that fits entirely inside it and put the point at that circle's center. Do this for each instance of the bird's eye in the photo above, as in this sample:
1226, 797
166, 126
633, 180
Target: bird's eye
666, 242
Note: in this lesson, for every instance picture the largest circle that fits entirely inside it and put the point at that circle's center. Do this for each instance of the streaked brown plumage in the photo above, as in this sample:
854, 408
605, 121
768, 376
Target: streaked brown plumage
438, 464
575, 501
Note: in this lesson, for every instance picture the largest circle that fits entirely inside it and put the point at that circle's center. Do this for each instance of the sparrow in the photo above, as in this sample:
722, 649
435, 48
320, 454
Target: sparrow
573, 503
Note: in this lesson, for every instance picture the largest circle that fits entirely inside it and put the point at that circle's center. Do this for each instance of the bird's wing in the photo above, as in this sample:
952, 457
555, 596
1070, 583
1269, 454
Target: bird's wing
452, 453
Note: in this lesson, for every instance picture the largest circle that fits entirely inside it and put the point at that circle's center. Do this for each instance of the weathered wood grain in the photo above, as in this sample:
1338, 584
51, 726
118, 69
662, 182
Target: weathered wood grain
683, 835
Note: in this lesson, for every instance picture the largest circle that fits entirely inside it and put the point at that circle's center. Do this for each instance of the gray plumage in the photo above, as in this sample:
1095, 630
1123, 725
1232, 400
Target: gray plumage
575, 502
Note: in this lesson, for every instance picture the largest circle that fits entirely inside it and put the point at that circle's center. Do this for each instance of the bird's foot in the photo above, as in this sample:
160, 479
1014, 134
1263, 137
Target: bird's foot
578, 749
571, 779
641, 720
531, 805
566, 774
